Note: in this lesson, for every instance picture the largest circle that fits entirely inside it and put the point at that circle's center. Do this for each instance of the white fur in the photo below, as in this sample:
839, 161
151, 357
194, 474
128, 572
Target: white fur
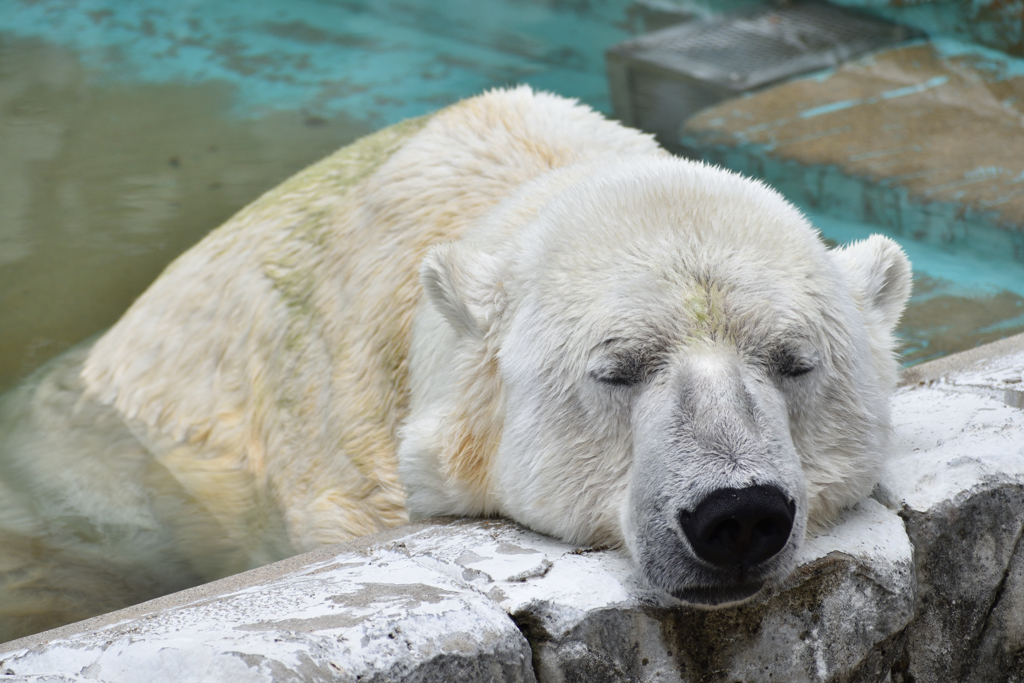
453, 300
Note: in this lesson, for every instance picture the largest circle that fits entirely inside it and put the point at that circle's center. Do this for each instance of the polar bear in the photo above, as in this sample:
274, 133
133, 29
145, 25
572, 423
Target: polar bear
511, 307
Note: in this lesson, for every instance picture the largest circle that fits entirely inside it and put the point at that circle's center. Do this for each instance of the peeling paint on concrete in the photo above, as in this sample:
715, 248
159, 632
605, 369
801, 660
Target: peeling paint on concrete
875, 99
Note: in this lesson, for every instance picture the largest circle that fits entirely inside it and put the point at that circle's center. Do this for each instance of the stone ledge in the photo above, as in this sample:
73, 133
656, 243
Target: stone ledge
957, 478
995, 370
452, 600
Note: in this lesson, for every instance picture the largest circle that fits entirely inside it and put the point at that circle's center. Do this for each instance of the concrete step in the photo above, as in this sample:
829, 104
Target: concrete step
927, 139
658, 80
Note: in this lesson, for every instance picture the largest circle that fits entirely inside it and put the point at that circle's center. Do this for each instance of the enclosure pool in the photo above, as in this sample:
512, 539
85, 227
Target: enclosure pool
130, 129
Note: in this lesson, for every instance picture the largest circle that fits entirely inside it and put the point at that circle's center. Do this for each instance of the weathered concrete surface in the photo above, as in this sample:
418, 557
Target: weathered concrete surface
434, 601
927, 139
996, 23
995, 370
364, 612
957, 478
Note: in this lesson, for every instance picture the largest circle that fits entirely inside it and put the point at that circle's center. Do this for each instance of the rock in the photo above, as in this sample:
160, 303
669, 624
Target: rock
999, 654
432, 601
839, 618
957, 478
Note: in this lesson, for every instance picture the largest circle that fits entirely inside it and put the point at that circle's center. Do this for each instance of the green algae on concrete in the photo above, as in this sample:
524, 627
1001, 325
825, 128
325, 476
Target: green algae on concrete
927, 143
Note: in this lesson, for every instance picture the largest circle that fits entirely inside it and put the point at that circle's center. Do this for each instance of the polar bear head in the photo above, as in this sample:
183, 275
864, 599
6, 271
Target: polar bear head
660, 355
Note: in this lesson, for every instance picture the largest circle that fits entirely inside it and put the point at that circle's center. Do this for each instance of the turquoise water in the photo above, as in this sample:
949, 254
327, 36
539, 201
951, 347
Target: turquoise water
379, 61
964, 270
130, 129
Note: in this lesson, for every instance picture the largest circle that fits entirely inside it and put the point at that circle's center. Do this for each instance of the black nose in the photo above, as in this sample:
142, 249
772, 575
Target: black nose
739, 526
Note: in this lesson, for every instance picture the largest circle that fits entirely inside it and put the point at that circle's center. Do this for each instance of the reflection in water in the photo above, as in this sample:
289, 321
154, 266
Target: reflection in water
102, 185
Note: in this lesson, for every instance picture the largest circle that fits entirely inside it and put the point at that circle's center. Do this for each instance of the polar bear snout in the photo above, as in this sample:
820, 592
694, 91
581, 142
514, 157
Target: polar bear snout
739, 527
717, 498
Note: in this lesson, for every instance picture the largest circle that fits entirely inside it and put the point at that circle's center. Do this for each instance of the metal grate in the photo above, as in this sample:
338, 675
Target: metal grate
692, 65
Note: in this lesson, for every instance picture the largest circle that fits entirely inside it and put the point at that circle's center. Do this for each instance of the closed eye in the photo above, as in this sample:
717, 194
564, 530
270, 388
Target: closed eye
620, 364
619, 371
786, 363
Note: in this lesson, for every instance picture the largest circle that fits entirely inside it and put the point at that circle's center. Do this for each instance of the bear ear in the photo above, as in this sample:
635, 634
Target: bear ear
462, 283
879, 276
